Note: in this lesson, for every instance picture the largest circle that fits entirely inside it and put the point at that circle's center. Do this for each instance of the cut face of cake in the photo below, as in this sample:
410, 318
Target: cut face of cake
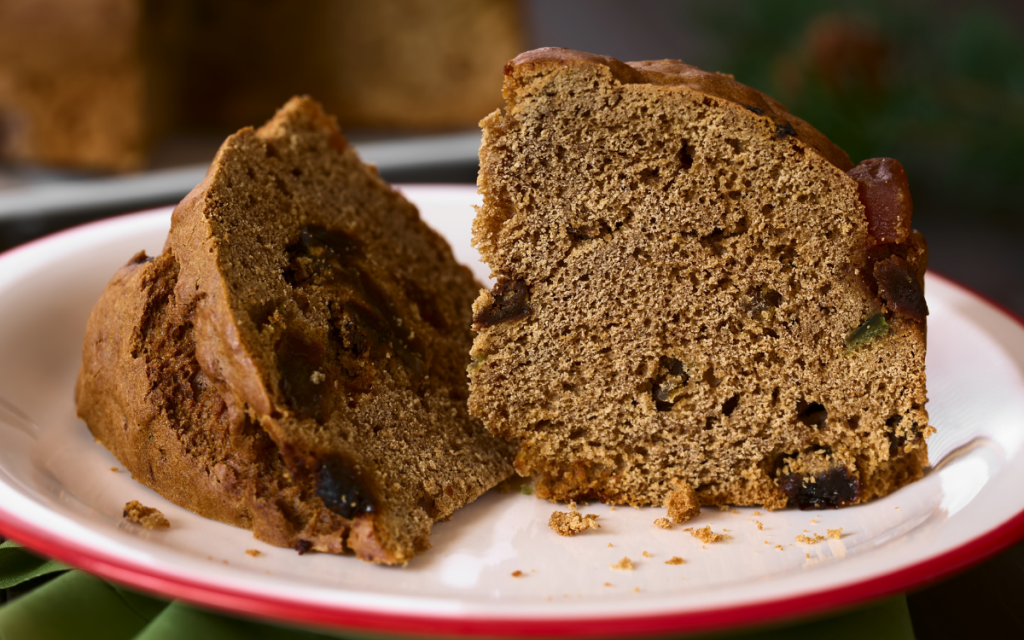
294, 361
693, 286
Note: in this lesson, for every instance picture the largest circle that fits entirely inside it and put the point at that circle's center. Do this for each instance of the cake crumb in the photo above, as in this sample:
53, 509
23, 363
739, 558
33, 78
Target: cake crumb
114, 469
723, 507
623, 565
636, 589
517, 573
611, 508
148, 517
779, 547
647, 555
675, 560
607, 584
808, 540
807, 555
835, 534
688, 529
734, 510
610, 544
682, 503
254, 552
814, 521
571, 522
759, 525
704, 534
664, 523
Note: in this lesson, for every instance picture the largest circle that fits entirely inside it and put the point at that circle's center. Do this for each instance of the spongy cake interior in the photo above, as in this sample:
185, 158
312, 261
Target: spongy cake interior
677, 264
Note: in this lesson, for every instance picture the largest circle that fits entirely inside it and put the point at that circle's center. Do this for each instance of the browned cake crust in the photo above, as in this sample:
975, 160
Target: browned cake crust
293, 362
692, 288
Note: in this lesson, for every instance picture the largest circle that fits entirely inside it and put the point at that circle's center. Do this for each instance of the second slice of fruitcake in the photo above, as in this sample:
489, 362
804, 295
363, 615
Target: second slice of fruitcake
694, 286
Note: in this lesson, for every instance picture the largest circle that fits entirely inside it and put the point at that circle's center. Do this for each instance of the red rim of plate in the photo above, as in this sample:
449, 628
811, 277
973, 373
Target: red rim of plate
197, 592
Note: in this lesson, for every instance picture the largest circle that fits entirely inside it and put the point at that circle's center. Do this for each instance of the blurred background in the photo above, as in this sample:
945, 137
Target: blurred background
112, 105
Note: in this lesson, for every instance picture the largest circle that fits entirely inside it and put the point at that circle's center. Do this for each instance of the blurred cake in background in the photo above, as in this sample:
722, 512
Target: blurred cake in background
95, 83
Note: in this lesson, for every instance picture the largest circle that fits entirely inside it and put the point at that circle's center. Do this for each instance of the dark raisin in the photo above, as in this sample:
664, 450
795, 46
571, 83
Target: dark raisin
783, 130
885, 193
303, 546
871, 329
341, 490
671, 377
811, 414
833, 489
759, 112
303, 382
899, 287
510, 301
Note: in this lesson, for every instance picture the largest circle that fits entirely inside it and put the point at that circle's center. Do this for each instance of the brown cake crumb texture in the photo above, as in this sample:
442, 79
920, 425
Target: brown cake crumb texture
835, 534
623, 565
705, 535
148, 517
294, 361
682, 503
664, 523
254, 552
571, 522
812, 539
675, 560
693, 285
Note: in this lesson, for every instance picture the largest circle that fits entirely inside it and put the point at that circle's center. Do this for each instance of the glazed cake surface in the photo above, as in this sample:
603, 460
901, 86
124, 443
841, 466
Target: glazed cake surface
294, 360
693, 286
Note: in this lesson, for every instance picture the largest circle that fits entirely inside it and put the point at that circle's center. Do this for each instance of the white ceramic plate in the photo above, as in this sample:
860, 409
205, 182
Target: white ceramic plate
59, 495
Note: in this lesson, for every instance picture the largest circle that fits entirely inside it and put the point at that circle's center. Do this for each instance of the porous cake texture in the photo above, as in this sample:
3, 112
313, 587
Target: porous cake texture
294, 361
693, 286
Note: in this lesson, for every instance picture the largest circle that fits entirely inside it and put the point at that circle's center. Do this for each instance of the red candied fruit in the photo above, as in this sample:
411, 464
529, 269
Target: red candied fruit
885, 193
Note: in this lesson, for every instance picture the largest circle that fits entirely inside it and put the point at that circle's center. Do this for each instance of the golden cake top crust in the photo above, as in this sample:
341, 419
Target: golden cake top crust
673, 73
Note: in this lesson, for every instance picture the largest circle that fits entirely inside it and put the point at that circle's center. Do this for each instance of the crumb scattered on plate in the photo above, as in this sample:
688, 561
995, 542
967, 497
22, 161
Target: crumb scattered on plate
571, 522
757, 513
636, 589
759, 525
254, 552
734, 510
835, 534
114, 469
148, 517
705, 534
647, 555
682, 503
517, 573
808, 540
610, 544
623, 565
675, 560
607, 584
664, 523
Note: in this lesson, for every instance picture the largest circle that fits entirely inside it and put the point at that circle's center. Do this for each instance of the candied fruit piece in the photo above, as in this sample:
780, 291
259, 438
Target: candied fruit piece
899, 287
871, 329
341, 491
509, 301
835, 488
885, 193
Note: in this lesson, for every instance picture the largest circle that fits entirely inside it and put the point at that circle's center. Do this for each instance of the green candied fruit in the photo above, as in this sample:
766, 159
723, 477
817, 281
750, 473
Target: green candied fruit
526, 489
477, 363
873, 328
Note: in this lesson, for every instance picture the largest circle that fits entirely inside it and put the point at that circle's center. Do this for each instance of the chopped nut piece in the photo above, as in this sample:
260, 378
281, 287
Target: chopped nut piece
704, 534
664, 523
517, 573
572, 522
623, 565
254, 552
675, 560
835, 533
682, 503
148, 517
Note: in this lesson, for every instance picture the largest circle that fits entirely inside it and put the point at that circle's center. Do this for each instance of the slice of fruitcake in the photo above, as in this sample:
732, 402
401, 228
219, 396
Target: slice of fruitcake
294, 361
694, 286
